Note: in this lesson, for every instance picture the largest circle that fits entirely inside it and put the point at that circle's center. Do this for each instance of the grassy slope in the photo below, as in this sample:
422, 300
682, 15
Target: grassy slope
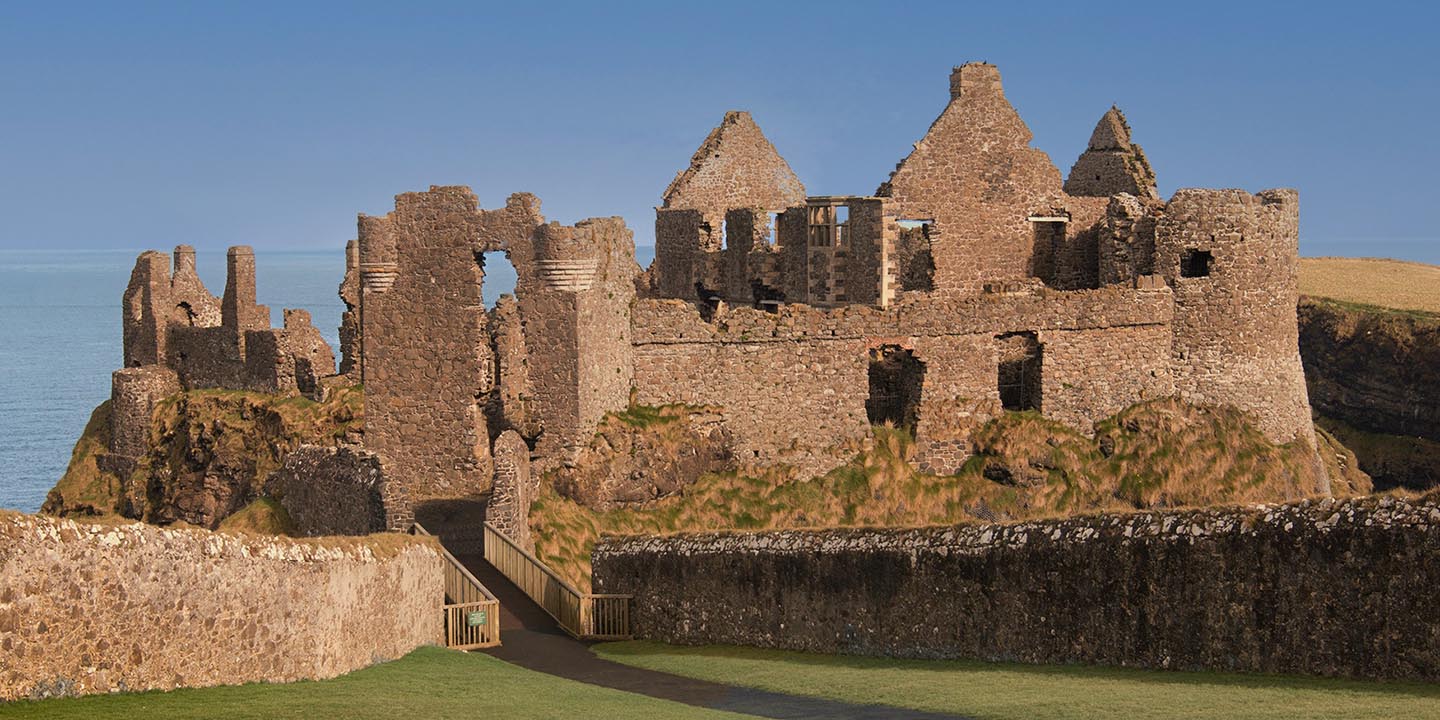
1161, 453
428, 683
985, 690
1391, 284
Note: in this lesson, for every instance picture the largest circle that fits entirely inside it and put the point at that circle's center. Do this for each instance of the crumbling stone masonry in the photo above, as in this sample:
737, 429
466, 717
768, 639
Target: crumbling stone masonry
339, 491
974, 280
515, 487
1003, 285
1341, 588
177, 336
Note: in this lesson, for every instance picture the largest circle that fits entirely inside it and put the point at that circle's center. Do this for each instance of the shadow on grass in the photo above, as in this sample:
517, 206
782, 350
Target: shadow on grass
1189, 678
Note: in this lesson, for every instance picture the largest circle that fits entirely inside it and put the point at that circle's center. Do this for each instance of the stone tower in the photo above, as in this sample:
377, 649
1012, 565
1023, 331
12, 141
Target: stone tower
1232, 260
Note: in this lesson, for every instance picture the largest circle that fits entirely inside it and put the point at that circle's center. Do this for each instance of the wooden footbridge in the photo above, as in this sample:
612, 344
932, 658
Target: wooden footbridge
472, 611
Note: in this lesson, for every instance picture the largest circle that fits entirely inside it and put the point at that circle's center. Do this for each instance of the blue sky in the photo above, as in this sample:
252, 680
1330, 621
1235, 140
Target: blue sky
131, 125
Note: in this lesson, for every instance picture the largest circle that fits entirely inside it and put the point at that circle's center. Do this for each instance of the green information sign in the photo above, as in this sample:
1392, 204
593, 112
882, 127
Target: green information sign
475, 618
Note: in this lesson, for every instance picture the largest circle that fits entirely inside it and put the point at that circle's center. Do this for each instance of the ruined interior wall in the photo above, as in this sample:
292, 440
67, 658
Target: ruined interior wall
339, 491
351, 352
975, 174
427, 345
677, 251
871, 235
510, 409
98, 608
1126, 241
515, 487
1341, 588
1236, 336
1075, 262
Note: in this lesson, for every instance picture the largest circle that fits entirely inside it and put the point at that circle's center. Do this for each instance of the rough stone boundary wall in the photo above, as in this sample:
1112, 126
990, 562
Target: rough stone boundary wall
1342, 588
94, 608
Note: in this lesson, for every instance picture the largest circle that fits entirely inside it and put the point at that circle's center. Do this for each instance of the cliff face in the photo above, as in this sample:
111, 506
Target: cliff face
1374, 381
209, 454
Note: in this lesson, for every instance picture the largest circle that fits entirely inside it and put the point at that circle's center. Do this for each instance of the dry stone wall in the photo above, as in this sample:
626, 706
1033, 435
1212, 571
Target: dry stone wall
1342, 588
100, 608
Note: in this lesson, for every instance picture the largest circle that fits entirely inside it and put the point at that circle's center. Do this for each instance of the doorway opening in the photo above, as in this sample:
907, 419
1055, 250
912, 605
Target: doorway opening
1019, 377
896, 380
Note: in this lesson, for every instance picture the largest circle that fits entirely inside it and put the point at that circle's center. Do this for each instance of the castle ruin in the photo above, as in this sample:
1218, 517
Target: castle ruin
974, 280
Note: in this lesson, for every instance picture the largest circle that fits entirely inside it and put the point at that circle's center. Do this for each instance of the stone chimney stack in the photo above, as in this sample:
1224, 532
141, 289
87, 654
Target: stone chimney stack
184, 260
238, 310
975, 77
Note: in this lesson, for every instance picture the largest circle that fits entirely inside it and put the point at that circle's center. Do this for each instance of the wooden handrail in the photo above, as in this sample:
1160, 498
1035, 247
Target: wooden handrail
472, 613
582, 615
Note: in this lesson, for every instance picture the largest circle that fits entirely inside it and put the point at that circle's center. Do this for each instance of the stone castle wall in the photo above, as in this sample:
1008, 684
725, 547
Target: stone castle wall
428, 363
1341, 588
1236, 334
793, 384
99, 608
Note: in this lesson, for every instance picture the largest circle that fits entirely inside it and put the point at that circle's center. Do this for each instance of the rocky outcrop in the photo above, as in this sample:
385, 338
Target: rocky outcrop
647, 453
207, 456
1374, 378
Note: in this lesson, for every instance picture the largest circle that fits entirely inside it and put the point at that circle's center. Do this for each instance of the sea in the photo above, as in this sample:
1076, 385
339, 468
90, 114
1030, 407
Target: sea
60, 340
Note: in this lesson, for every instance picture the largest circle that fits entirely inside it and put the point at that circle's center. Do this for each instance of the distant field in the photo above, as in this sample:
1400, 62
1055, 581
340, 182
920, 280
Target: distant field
1372, 281
1001, 691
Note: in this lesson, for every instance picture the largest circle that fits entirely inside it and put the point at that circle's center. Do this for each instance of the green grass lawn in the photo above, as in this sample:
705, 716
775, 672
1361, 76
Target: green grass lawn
1011, 691
428, 683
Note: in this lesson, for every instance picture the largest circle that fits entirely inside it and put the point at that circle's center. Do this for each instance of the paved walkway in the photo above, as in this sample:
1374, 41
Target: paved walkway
532, 640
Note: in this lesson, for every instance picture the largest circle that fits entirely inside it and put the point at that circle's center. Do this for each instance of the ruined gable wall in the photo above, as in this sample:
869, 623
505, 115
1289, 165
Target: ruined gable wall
427, 346
975, 174
1111, 163
735, 167
1236, 337
99, 608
